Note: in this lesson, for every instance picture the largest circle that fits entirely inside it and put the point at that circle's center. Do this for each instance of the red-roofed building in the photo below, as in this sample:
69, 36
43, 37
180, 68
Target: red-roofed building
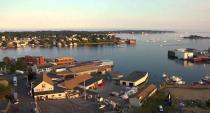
38, 60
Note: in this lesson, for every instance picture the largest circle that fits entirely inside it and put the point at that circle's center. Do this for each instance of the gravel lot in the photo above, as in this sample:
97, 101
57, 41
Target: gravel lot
190, 94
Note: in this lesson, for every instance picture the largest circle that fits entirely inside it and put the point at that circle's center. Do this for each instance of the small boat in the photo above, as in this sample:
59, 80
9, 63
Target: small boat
165, 41
176, 79
164, 75
206, 78
120, 46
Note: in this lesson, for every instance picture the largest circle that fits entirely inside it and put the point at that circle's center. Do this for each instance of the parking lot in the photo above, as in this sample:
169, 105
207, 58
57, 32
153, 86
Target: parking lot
68, 106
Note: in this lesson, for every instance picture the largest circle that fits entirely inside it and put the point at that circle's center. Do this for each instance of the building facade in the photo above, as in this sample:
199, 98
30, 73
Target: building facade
35, 60
134, 79
64, 60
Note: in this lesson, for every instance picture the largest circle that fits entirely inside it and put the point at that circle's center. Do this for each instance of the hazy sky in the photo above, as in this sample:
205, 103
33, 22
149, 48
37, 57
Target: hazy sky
105, 14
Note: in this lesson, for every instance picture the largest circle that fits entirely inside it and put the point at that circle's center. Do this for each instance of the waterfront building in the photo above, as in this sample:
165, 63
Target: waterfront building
34, 60
42, 68
44, 89
74, 82
181, 53
84, 69
64, 60
140, 96
134, 79
92, 83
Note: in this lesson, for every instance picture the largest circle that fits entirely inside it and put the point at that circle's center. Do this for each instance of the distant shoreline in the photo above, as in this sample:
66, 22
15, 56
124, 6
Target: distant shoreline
92, 31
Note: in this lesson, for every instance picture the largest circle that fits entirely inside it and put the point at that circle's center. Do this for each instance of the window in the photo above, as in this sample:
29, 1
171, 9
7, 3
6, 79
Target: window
59, 94
124, 83
43, 85
131, 84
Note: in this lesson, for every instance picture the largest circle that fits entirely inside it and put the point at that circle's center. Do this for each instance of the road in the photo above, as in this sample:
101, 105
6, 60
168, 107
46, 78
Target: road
26, 104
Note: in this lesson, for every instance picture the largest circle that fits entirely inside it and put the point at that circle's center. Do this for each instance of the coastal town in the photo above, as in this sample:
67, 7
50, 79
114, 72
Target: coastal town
48, 39
104, 56
65, 85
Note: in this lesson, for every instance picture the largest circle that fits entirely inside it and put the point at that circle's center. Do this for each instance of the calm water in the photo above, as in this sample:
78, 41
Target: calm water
147, 55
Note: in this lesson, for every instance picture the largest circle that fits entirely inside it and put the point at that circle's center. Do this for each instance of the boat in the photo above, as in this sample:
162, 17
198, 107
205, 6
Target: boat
164, 75
173, 79
120, 46
176, 79
165, 41
206, 78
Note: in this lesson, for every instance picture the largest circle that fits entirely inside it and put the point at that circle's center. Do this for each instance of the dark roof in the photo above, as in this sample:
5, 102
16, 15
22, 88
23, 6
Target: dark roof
96, 62
65, 73
116, 75
62, 66
91, 81
56, 90
81, 90
134, 76
53, 75
43, 77
45, 66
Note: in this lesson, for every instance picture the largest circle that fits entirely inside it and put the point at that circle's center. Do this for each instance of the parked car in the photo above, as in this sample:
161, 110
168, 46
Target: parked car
160, 107
14, 80
101, 106
114, 94
15, 98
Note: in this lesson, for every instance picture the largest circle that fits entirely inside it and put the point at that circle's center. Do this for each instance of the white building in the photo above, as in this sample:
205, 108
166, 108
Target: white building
183, 53
42, 68
134, 79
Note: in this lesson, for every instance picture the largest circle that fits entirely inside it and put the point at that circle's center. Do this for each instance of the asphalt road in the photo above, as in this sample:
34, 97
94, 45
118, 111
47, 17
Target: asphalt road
26, 104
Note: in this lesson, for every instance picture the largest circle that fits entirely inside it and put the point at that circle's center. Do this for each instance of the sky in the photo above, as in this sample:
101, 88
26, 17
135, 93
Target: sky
105, 14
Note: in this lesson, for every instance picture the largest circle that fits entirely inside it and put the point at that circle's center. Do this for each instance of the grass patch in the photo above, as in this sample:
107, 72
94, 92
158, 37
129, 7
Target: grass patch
151, 104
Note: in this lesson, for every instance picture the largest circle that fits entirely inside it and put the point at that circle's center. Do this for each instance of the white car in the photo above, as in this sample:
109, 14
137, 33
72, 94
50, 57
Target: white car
101, 106
160, 107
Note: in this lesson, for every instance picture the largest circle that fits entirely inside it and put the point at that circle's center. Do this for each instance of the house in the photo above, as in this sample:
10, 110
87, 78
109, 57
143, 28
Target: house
42, 68
64, 60
44, 89
138, 99
134, 79
91, 83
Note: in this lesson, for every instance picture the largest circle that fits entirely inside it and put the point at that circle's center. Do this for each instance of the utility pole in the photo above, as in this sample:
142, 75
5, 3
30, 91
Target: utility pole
85, 90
